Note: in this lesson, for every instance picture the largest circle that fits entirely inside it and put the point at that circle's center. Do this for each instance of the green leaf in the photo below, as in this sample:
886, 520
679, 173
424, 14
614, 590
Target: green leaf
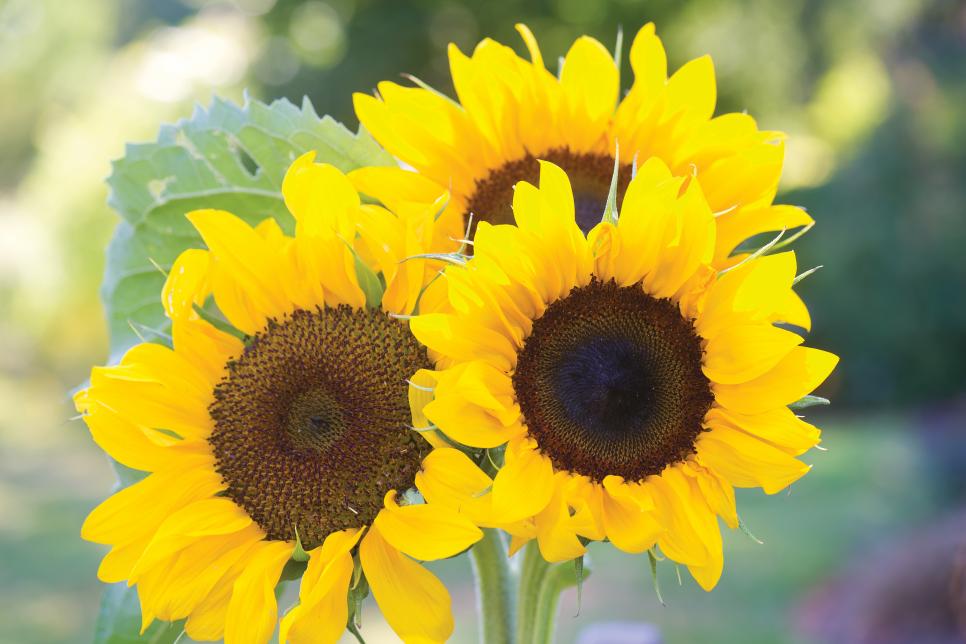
119, 621
227, 157
809, 401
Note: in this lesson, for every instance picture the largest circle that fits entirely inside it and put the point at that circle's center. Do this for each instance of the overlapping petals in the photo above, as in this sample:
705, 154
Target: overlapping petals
509, 107
196, 555
663, 242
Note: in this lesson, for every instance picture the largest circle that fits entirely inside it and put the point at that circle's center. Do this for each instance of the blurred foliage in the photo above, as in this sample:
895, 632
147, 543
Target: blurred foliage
871, 94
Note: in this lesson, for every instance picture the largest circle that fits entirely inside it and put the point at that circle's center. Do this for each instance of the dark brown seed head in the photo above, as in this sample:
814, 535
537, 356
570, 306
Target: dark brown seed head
311, 422
610, 382
590, 177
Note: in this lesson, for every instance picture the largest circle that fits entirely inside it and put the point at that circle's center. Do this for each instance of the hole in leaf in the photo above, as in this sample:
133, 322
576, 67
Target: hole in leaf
251, 165
157, 187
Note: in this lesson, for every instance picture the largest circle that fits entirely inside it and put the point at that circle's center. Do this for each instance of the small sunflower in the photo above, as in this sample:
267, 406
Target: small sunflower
512, 112
629, 384
283, 430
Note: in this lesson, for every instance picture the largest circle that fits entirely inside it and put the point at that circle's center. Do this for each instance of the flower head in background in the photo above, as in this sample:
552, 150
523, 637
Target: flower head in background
281, 432
631, 383
512, 112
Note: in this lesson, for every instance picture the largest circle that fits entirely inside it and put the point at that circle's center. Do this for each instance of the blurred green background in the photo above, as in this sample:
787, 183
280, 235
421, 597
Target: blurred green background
873, 95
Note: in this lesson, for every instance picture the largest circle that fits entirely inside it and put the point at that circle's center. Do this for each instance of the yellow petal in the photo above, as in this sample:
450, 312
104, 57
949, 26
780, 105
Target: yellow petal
719, 494
535, 57
207, 620
246, 256
744, 352
396, 188
181, 582
681, 539
474, 404
628, 526
692, 527
463, 339
134, 446
320, 197
524, 484
555, 189
206, 347
692, 247
793, 311
322, 611
693, 89
449, 478
559, 250
780, 427
469, 424
139, 509
589, 79
748, 293
744, 222
155, 387
647, 217
746, 177
556, 535
797, 374
426, 531
253, 611
213, 516
420, 394
745, 461
649, 61
187, 284
414, 602
331, 262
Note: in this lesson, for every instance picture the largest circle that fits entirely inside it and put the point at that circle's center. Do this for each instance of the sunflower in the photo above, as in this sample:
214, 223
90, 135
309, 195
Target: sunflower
277, 430
624, 385
512, 112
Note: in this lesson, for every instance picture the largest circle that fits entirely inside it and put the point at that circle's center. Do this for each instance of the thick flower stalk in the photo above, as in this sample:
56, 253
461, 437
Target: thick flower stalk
277, 429
622, 383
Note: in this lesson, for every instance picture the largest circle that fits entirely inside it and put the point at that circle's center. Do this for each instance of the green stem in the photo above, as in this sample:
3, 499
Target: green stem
532, 572
494, 588
559, 577
541, 585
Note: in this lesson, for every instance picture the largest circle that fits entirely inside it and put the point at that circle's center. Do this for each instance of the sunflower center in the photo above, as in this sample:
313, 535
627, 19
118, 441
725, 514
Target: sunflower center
590, 177
610, 382
311, 422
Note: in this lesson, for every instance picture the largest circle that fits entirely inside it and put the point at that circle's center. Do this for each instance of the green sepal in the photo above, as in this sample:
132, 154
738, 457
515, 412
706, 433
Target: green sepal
652, 560
358, 591
370, 282
494, 459
610, 207
748, 533
809, 401
811, 271
299, 554
293, 569
756, 254
579, 574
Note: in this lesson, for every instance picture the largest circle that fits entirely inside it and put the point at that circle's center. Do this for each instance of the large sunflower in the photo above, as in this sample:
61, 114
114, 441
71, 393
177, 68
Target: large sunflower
283, 430
512, 112
632, 385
